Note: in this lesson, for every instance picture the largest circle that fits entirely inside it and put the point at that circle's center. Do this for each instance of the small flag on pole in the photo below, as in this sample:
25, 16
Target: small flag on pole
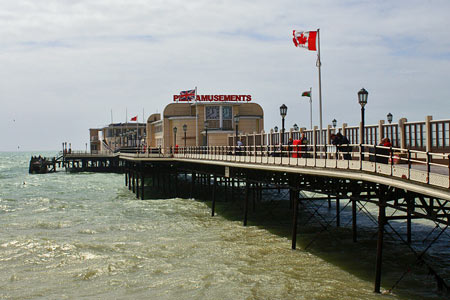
133, 118
187, 95
305, 39
306, 94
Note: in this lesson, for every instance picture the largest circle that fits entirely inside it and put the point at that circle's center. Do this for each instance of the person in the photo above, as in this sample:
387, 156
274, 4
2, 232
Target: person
384, 153
239, 147
339, 140
290, 144
386, 142
303, 145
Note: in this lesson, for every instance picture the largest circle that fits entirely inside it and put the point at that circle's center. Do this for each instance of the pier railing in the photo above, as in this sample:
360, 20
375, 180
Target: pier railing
412, 165
428, 135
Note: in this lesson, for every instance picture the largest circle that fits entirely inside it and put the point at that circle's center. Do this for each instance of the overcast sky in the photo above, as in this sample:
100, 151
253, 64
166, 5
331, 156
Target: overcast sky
65, 64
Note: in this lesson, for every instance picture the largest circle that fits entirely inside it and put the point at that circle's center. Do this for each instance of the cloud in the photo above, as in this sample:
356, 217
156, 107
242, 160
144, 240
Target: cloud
70, 62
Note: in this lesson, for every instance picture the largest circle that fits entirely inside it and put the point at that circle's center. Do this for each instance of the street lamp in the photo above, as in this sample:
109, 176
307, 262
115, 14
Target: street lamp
295, 127
236, 123
206, 132
275, 128
389, 118
184, 129
283, 112
174, 136
334, 122
362, 99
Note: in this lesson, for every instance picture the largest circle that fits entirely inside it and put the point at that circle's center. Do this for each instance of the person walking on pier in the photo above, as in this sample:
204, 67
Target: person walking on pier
239, 147
339, 140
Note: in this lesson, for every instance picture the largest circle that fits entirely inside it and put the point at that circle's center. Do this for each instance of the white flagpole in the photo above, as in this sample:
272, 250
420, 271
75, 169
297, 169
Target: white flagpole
310, 107
196, 118
319, 63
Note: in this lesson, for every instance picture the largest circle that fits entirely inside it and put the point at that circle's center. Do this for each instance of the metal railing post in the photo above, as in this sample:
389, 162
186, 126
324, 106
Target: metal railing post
360, 157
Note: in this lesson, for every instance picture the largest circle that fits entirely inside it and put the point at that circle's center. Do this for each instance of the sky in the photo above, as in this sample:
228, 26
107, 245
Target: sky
65, 65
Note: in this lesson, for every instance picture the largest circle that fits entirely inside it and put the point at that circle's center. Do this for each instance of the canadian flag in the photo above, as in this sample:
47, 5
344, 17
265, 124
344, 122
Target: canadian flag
305, 39
134, 118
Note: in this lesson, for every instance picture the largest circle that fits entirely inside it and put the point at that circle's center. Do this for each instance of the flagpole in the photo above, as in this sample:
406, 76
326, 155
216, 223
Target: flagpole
310, 106
196, 118
319, 63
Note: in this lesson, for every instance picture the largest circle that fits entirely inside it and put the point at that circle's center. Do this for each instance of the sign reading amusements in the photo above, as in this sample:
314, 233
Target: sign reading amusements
212, 98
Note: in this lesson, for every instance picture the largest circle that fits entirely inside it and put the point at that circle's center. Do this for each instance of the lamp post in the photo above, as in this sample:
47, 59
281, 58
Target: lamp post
184, 130
334, 122
206, 132
236, 123
295, 127
174, 137
389, 118
362, 99
283, 112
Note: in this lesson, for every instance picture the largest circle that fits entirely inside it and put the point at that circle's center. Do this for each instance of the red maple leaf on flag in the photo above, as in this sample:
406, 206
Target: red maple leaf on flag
302, 39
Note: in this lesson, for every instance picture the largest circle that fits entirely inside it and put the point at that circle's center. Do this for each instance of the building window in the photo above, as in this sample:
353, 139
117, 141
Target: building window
227, 117
219, 117
212, 115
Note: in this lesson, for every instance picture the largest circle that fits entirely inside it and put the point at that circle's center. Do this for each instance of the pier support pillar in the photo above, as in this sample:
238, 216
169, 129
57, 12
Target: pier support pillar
381, 223
227, 180
133, 181
176, 184
295, 220
129, 179
247, 192
410, 206
213, 204
138, 176
193, 176
354, 228
142, 186
126, 178
338, 211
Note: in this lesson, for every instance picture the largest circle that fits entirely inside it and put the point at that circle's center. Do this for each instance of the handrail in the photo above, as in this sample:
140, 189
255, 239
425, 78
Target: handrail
407, 164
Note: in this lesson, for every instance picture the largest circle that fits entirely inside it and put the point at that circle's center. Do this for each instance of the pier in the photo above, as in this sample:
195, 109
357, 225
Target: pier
414, 186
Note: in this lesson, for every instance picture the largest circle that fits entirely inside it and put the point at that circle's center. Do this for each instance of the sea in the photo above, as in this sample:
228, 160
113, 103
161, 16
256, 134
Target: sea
86, 236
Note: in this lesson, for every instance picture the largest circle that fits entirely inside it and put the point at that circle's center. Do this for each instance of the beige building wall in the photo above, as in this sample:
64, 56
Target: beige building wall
179, 114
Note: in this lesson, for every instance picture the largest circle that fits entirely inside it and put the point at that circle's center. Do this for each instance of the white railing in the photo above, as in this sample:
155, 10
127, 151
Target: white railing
412, 165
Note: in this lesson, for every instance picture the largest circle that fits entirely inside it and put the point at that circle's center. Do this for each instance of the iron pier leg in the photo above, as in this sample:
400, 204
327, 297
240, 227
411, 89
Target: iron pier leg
381, 222
226, 189
338, 211
254, 197
176, 184
213, 204
354, 219
408, 218
138, 176
192, 184
126, 178
247, 192
294, 221
129, 180
232, 190
142, 185
133, 181
329, 201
